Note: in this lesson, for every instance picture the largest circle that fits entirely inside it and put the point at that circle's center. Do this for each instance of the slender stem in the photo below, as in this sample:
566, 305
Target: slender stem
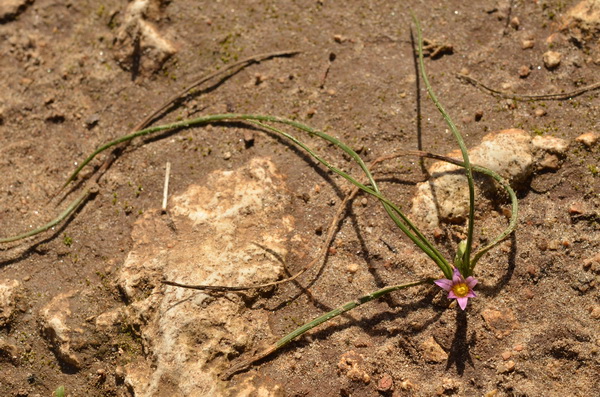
466, 268
344, 308
317, 321
513, 218
525, 97
68, 211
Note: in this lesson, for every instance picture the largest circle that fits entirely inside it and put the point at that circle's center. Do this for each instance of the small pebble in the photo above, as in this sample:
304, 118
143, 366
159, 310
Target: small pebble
248, 139
518, 348
550, 144
552, 59
407, 385
539, 112
364, 202
386, 383
352, 268
259, 78
506, 367
226, 155
595, 312
515, 23
592, 264
527, 44
478, 115
524, 71
554, 245
550, 162
449, 384
555, 38
589, 139
506, 355
120, 373
576, 209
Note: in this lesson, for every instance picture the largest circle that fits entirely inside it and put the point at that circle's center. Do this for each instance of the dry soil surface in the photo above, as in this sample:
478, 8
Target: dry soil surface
82, 305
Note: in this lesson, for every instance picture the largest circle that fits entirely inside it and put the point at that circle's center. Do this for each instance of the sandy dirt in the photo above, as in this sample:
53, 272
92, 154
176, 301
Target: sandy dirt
76, 74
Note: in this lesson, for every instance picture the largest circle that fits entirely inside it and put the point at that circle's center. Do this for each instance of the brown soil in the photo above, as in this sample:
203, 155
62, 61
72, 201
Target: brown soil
68, 86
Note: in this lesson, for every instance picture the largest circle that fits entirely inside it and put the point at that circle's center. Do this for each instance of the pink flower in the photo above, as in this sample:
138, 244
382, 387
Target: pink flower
458, 288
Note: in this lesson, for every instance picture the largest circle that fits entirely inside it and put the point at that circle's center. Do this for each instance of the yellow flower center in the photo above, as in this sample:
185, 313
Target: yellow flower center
461, 290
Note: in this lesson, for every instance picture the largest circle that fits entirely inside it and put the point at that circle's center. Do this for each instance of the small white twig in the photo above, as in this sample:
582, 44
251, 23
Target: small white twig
166, 188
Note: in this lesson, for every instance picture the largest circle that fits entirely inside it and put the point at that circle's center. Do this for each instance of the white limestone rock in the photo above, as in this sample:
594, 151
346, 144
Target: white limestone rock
511, 153
55, 328
138, 43
9, 295
214, 236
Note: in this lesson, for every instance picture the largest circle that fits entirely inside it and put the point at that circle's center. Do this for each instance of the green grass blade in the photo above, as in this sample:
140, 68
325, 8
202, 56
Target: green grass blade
65, 214
318, 321
513, 218
465, 271
511, 193
407, 227
344, 308
392, 210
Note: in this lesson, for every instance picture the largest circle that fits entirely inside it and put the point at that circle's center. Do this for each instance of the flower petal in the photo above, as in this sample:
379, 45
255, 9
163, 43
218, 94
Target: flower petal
462, 302
444, 283
452, 295
456, 277
471, 282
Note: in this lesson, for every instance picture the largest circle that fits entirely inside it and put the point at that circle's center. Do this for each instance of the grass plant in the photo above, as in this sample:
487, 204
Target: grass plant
457, 274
